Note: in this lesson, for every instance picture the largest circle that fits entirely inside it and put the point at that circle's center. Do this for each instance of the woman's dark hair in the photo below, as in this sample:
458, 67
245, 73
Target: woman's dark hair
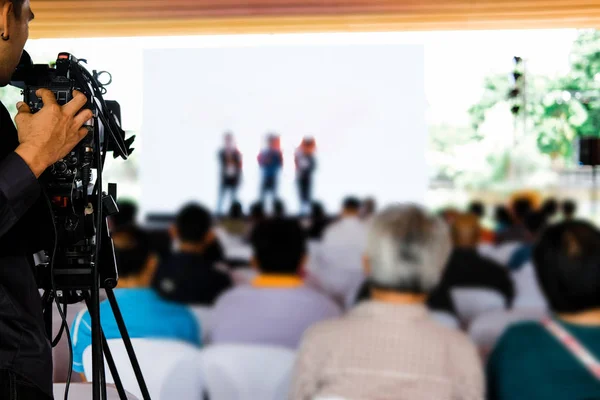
279, 245
567, 263
502, 216
236, 211
477, 208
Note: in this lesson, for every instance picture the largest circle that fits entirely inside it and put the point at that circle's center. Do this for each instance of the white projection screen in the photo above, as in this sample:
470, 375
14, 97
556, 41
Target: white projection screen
364, 104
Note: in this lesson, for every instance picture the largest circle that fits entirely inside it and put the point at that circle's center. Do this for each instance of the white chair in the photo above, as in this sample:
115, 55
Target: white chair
473, 302
528, 294
157, 358
83, 391
488, 328
446, 319
204, 317
233, 372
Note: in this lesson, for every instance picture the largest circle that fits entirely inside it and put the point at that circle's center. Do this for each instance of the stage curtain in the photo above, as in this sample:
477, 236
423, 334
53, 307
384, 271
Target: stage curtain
98, 18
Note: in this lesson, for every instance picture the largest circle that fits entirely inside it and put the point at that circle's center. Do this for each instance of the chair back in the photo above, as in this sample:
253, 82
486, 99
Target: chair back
204, 317
83, 391
157, 358
247, 372
473, 302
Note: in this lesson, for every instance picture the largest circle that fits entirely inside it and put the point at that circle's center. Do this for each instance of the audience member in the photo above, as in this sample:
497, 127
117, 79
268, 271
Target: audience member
534, 223
477, 208
318, 221
278, 209
556, 359
389, 347
550, 208
368, 209
277, 307
145, 313
348, 231
569, 209
502, 219
336, 265
517, 232
468, 269
235, 224
127, 214
190, 276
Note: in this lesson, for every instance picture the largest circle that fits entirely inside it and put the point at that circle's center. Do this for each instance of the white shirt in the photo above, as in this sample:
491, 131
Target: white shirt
336, 266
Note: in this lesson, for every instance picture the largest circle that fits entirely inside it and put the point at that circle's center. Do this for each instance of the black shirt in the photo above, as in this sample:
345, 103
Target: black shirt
467, 269
190, 279
24, 348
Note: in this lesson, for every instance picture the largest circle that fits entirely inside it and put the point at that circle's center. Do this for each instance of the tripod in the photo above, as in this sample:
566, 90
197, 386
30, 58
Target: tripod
68, 286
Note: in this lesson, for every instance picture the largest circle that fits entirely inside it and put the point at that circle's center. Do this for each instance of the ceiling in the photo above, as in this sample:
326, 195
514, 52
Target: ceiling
99, 18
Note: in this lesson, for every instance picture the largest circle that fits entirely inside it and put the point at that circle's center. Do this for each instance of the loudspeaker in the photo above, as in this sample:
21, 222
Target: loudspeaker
589, 151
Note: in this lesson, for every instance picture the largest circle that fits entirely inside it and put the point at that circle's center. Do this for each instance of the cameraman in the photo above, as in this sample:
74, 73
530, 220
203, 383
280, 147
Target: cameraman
25, 152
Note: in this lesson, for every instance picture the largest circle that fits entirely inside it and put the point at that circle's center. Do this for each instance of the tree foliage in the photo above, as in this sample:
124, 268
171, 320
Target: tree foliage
560, 109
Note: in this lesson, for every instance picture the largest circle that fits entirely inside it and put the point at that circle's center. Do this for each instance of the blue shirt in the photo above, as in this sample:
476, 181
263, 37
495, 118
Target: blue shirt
528, 363
146, 315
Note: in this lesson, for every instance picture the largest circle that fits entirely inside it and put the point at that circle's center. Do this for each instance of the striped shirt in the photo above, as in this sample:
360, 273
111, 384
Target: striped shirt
383, 351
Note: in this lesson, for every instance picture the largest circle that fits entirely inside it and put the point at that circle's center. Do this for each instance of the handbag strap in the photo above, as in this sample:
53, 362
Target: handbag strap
573, 346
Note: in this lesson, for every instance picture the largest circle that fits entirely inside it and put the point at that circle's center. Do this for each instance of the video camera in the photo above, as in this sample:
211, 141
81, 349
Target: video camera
73, 185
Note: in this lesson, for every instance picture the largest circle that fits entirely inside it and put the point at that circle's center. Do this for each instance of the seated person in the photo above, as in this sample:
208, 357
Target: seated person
318, 221
390, 347
569, 209
190, 276
477, 208
535, 223
530, 361
276, 308
468, 269
235, 223
146, 315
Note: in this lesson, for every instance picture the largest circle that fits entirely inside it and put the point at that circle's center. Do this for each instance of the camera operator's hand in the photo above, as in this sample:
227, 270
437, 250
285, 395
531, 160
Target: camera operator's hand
50, 134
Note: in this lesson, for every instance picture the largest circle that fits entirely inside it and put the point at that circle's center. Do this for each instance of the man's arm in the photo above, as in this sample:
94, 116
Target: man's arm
19, 189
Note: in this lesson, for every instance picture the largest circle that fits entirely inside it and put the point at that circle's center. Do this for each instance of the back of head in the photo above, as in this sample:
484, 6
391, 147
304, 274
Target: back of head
569, 208
193, 223
257, 211
351, 205
502, 216
132, 250
278, 209
521, 207
407, 249
127, 214
279, 246
369, 206
236, 211
535, 222
567, 263
550, 207
466, 231
317, 211
477, 208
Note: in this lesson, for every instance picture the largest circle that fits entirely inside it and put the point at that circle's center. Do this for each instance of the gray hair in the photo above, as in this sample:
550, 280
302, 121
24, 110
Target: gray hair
407, 249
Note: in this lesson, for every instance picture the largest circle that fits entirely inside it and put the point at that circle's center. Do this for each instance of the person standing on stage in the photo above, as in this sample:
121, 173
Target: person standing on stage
270, 161
305, 166
230, 160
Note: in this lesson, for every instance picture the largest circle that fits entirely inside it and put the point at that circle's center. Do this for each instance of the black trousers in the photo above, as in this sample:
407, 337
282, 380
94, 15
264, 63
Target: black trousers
13, 387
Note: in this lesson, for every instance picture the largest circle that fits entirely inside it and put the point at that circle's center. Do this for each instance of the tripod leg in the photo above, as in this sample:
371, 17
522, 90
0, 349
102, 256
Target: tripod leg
112, 366
47, 303
98, 375
128, 346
